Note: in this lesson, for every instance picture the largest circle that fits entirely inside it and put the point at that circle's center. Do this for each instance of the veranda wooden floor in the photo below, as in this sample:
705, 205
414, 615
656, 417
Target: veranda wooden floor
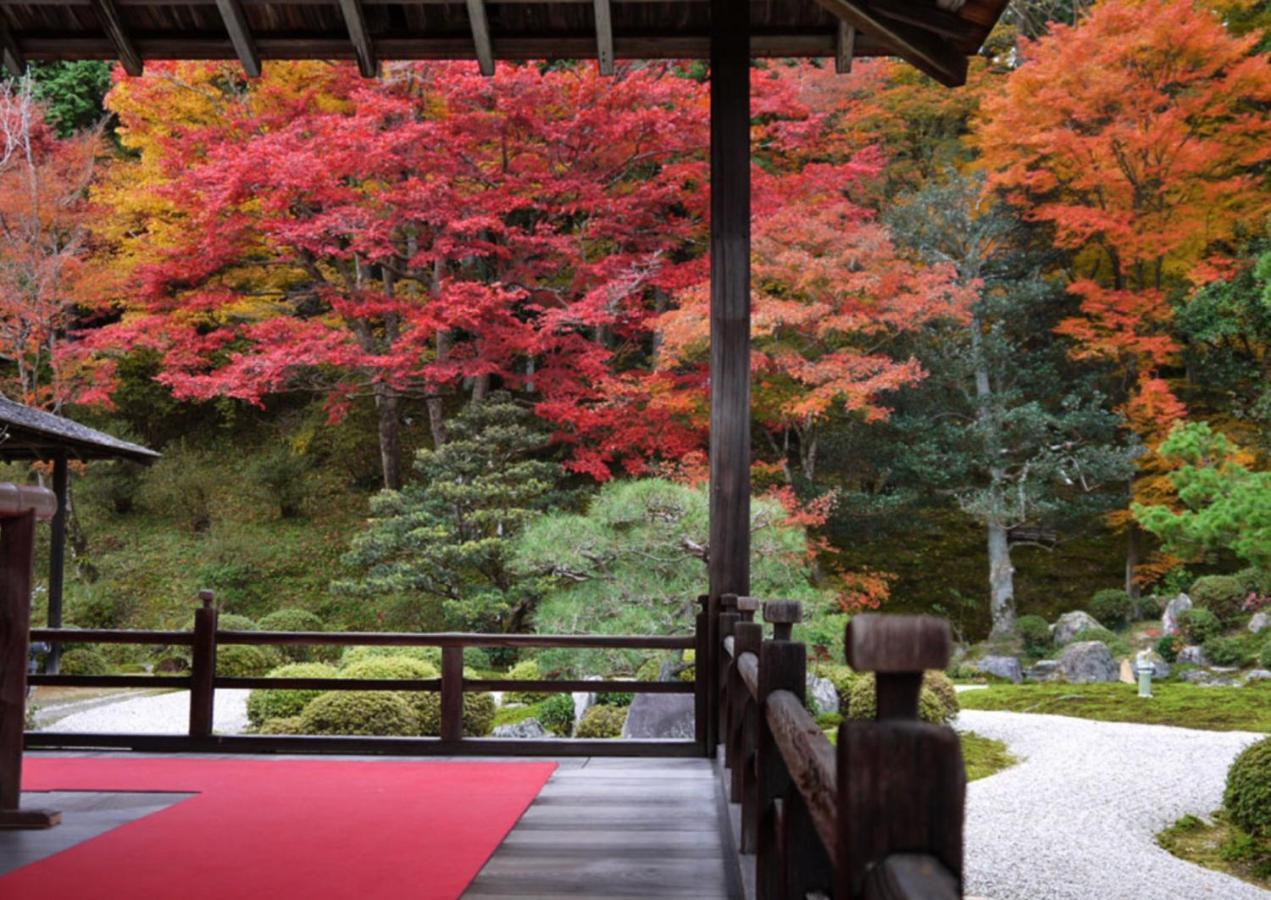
608, 828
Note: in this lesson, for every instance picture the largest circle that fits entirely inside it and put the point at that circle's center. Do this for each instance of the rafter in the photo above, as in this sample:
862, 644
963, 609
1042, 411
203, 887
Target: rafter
12, 53
939, 21
240, 35
921, 49
355, 21
481, 36
844, 48
113, 26
604, 37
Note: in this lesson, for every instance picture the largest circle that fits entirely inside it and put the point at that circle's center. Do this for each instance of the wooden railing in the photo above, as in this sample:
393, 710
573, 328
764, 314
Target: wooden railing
879, 816
203, 681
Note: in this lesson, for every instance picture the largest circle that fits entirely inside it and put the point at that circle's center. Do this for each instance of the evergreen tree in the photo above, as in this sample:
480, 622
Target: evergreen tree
448, 535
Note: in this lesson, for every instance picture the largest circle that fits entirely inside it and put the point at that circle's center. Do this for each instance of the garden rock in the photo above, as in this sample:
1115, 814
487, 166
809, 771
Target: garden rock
584, 700
1043, 670
1193, 655
660, 716
1173, 610
825, 699
1160, 668
526, 729
1260, 622
1007, 667
1196, 676
1087, 662
1257, 675
1070, 624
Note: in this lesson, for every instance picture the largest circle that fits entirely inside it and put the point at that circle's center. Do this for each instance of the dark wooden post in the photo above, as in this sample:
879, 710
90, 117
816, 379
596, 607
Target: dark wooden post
702, 662
57, 558
203, 667
451, 693
724, 665
901, 782
19, 508
747, 638
730, 298
708, 668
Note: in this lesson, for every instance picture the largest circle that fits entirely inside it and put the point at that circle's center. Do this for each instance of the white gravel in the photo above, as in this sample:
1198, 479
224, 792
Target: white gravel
1076, 818
167, 713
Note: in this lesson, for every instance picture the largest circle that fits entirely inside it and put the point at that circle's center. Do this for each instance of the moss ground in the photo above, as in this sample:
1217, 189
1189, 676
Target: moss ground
1217, 844
984, 756
1180, 705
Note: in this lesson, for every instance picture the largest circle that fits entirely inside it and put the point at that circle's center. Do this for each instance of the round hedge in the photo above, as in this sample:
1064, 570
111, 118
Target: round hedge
390, 667
281, 703
1222, 595
557, 714
1112, 607
842, 677
1167, 647
601, 722
863, 703
1034, 632
1198, 625
360, 713
286, 725
1247, 796
525, 670
83, 661
1226, 651
941, 685
430, 655
478, 712
244, 661
289, 618
1264, 655
233, 622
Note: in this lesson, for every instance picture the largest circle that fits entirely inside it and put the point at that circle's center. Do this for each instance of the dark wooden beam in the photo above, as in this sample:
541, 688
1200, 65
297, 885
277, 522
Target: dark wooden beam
57, 554
925, 51
481, 36
355, 21
14, 62
240, 35
933, 19
604, 37
730, 298
113, 26
845, 48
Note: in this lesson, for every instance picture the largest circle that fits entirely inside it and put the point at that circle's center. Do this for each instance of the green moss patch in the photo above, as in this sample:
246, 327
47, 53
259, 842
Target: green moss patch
984, 756
1220, 845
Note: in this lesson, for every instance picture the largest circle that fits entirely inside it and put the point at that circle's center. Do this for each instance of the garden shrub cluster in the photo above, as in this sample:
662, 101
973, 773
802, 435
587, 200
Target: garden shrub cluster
525, 670
1034, 631
379, 713
1222, 595
843, 678
244, 660
1231, 651
430, 655
602, 722
1112, 607
557, 714
290, 618
1247, 796
937, 701
283, 703
478, 713
82, 661
1198, 625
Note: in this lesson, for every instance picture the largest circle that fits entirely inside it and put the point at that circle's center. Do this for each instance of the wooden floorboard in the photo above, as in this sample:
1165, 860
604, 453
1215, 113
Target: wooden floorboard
617, 828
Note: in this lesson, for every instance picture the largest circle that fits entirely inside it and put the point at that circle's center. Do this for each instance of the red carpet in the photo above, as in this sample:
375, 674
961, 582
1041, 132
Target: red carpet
276, 830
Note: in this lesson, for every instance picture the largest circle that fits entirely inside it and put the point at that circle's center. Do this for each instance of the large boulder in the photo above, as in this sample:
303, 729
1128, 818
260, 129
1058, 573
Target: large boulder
1260, 622
1043, 670
584, 700
1007, 667
1087, 662
1071, 624
524, 730
822, 695
1173, 610
1192, 655
1256, 675
661, 716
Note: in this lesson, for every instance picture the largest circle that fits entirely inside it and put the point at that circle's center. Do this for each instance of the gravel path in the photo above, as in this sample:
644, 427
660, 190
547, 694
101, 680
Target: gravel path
1076, 819
167, 713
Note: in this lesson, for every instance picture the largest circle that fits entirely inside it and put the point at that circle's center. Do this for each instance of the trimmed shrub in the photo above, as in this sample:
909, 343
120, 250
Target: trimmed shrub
1222, 595
557, 714
479, 710
384, 667
287, 725
430, 655
289, 618
1168, 646
359, 712
863, 703
1035, 633
650, 669
1198, 625
282, 703
1264, 655
1247, 796
842, 677
234, 622
243, 661
1112, 607
1150, 606
689, 672
525, 670
1227, 651
82, 661
1255, 580
940, 685
614, 698
601, 722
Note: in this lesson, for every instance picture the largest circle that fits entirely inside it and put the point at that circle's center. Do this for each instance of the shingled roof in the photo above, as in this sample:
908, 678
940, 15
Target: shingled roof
27, 433
934, 35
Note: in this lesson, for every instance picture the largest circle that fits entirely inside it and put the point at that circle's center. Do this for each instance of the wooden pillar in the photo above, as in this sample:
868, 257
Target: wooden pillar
57, 557
203, 667
730, 298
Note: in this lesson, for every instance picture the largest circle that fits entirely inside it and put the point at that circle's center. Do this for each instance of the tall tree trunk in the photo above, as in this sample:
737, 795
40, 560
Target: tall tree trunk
1001, 581
1133, 556
436, 413
390, 435
1001, 572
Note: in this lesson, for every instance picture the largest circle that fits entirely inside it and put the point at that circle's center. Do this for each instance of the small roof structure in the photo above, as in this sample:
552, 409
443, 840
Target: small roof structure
934, 35
28, 433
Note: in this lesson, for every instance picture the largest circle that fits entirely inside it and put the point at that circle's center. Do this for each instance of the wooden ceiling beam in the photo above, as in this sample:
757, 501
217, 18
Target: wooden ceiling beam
240, 35
14, 62
481, 36
113, 26
933, 19
355, 21
923, 50
844, 48
604, 37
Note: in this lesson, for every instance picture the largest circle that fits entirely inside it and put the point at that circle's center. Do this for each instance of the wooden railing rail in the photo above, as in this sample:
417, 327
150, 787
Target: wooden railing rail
203, 682
879, 817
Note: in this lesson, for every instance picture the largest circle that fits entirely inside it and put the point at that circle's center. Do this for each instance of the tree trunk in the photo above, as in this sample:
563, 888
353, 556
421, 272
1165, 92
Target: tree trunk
1001, 581
390, 435
1133, 556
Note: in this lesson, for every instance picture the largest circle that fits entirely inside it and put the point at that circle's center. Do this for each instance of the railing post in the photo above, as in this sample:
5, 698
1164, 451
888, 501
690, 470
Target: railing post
708, 668
451, 693
747, 638
702, 676
203, 667
727, 619
901, 782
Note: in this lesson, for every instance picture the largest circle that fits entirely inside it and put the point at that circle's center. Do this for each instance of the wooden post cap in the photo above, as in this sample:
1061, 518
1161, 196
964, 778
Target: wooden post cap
783, 612
748, 604
207, 596
728, 601
20, 499
878, 643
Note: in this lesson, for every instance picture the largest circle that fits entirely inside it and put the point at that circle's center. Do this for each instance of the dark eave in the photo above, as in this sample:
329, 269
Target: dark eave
28, 433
